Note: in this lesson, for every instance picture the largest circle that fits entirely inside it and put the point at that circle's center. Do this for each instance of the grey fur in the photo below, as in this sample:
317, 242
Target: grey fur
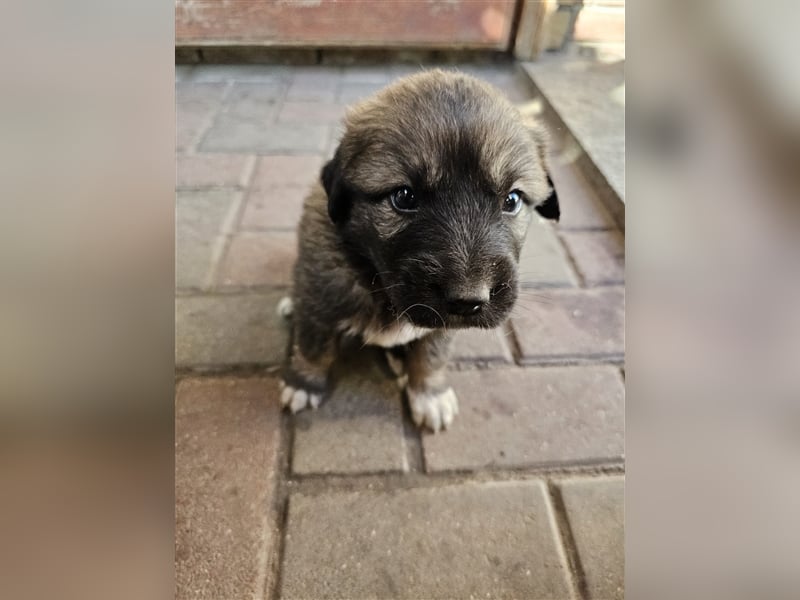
365, 269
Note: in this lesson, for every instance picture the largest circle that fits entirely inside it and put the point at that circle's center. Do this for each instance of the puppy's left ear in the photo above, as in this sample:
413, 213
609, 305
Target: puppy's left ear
336, 189
549, 208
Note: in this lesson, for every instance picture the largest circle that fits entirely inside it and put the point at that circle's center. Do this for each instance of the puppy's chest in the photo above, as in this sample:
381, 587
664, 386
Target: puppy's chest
396, 334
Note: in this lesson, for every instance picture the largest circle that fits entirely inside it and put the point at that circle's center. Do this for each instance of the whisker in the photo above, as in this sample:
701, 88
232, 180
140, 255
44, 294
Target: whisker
436, 312
388, 287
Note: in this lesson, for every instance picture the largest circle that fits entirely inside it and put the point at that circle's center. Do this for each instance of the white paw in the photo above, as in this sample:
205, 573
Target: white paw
285, 307
436, 410
296, 399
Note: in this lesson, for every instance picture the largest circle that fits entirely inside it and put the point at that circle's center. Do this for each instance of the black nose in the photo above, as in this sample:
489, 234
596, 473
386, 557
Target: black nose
465, 306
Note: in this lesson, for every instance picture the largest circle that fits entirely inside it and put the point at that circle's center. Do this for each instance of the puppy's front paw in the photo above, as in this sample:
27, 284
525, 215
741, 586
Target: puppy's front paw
296, 398
434, 409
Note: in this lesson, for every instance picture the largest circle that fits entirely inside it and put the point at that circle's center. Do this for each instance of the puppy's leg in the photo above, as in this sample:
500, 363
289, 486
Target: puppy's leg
396, 359
305, 379
431, 399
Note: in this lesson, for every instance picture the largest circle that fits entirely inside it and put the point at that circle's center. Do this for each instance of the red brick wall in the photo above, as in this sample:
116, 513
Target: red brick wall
376, 23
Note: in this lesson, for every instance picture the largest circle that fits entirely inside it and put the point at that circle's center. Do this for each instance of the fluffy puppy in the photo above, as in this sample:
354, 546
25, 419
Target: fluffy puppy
414, 231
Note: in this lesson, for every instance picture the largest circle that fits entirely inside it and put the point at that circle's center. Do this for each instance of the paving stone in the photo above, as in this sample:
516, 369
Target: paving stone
481, 345
543, 262
226, 452
337, 131
580, 206
596, 514
183, 72
486, 540
319, 84
213, 170
249, 73
588, 93
190, 124
232, 134
195, 106
256, 101
275, 208
194, 256
599, 255
569, 325
311, 112
351, 93
275, 171
224, 330
378, 74
200, 217
359, 428
190, 95
525, 417
260, 259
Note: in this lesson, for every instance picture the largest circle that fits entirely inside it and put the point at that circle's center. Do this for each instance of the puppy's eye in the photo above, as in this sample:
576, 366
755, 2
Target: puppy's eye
513, 202
403, 200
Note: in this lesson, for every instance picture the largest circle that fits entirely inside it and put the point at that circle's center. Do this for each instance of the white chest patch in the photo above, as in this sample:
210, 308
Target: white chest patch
395, 335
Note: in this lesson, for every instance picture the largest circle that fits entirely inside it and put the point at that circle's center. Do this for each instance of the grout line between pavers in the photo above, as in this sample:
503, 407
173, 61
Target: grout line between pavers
230, 225
412, 440
223, 240
513, 342
573, 264
322, 483
281, 506
209, 122
265, 288
268, 368
566, 542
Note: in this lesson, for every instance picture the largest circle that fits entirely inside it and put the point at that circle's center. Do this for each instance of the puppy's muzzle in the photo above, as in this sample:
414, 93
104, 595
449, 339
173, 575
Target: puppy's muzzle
467, 301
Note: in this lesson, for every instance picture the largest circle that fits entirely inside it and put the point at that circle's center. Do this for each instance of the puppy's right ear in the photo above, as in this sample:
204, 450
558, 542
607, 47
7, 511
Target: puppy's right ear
335, 188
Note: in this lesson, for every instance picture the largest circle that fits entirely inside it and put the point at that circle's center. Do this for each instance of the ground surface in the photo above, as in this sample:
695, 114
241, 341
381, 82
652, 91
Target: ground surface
521, 498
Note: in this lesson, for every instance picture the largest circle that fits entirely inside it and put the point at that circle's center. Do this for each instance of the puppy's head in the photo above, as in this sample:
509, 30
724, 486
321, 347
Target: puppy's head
432, 188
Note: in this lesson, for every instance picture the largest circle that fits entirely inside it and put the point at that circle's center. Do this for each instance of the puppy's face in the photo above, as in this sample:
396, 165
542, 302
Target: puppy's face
432, 189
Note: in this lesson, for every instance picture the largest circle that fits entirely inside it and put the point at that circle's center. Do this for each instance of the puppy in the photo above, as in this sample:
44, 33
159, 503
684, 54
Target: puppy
414, 231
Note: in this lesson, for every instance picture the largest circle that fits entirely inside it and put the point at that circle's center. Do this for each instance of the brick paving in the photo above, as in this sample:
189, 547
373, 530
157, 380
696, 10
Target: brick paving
521, 498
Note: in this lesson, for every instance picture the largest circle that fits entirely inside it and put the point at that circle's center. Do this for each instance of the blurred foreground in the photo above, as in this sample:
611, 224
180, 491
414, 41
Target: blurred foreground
86, 307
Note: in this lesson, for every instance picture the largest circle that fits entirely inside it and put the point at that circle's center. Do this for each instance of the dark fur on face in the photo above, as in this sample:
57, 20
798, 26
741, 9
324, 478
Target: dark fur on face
400, 270
461, 148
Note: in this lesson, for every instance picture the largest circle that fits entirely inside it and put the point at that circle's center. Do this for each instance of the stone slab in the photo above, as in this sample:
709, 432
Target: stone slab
259, 259
299, 111
588, 94
273, 208
481, 345
213, 170
543, 261
359, 427
352, 93
491, 540
254, 101
226, 455
233, 134
319, 84
570, 325
287, 171
195, 107
200, 218
225, 330
245, 73
581, 208
599, 256
596, 514
527, 417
